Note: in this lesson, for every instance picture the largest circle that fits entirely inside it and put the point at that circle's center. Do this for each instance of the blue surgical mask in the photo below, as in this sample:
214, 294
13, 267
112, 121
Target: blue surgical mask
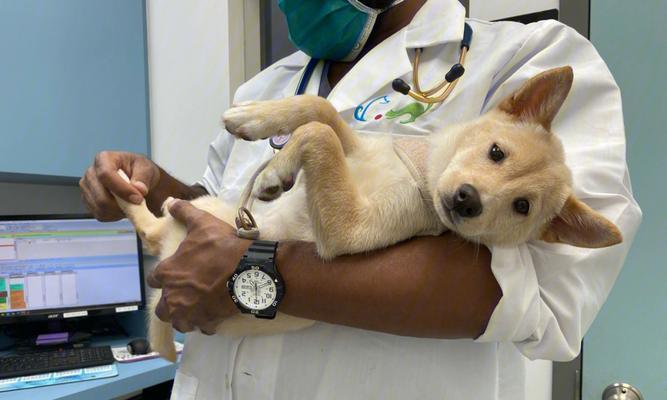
334, 30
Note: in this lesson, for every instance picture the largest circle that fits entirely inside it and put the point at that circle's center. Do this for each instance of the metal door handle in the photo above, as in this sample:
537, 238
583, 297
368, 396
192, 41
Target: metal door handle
621, 391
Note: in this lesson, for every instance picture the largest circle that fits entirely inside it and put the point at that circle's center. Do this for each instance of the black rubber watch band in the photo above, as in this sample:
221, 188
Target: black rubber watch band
262, 251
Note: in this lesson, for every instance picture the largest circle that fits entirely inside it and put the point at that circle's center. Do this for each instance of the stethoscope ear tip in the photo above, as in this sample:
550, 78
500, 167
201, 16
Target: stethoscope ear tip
455, 73
400, 86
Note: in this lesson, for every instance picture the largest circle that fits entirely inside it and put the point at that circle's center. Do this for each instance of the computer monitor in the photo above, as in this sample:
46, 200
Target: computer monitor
65, 266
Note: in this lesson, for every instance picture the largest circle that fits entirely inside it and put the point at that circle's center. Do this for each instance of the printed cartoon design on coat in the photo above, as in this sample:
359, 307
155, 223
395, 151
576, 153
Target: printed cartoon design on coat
413, 110
362, 109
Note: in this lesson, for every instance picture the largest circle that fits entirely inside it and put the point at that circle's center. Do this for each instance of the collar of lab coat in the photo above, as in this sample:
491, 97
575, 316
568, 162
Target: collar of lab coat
437, 22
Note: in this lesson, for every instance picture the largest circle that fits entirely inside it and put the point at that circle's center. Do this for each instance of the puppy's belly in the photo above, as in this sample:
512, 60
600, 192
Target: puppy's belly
285, 218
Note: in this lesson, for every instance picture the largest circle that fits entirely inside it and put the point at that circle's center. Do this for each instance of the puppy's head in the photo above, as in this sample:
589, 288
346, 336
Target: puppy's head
502, 179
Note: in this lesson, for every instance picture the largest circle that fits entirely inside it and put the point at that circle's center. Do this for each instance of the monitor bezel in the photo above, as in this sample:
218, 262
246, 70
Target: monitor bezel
91, 311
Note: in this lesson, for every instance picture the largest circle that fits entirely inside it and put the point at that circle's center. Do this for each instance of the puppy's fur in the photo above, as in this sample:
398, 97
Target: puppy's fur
355, 194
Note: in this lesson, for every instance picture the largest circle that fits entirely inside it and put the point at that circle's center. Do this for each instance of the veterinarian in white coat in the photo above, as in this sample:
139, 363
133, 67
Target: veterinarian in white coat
550, 293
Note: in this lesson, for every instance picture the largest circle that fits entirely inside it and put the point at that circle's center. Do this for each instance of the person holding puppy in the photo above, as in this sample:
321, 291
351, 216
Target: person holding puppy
430, 318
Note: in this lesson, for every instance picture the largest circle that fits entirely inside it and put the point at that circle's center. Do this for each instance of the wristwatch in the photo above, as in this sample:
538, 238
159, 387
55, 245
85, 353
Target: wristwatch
256, 286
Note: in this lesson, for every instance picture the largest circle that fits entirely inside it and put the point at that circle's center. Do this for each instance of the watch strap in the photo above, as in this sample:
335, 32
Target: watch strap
263, 251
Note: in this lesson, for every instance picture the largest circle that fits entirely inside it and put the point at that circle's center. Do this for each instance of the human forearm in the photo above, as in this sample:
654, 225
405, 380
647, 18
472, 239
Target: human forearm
438, 287
169, 186
426, 287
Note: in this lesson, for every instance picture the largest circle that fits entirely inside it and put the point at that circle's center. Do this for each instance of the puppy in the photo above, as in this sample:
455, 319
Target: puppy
500, 179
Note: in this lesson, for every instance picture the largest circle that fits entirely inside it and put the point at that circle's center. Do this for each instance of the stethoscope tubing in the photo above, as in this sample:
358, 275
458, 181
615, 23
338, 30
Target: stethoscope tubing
441, 91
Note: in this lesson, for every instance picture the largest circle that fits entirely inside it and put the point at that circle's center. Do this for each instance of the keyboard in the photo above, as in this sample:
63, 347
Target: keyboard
54, 360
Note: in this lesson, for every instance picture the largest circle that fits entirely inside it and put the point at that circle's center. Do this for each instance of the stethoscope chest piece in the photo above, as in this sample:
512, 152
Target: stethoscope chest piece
278, 142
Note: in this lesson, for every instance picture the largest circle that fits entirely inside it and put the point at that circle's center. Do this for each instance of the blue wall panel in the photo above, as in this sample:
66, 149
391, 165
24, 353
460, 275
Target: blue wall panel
73, 81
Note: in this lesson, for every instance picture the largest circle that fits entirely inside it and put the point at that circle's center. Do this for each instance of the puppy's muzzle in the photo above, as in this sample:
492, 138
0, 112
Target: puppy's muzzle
466, 202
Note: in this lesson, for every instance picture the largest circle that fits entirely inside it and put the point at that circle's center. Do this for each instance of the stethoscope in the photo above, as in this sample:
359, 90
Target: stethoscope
443, 89
437, 94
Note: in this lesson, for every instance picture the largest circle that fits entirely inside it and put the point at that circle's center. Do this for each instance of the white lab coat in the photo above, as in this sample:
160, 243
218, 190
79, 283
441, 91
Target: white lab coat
551, 293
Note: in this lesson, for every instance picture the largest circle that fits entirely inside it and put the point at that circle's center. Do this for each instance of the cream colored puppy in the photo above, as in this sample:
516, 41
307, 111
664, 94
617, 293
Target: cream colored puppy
500, 179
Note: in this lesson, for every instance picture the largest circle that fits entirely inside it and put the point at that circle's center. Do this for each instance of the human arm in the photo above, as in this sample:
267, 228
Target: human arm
147, 180
426, 287
439, 287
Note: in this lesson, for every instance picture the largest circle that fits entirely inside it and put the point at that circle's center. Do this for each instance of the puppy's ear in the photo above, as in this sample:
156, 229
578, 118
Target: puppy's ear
539, 99
578, 225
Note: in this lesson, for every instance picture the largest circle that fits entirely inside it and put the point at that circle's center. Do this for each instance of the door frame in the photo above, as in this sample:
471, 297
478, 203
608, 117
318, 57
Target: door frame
247, 34
566, 382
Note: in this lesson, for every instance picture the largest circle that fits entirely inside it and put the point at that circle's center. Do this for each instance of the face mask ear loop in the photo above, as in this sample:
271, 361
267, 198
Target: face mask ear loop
368, 28
361, 40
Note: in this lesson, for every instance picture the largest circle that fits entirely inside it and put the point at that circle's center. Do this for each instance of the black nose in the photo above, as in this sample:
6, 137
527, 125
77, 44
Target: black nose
466, 202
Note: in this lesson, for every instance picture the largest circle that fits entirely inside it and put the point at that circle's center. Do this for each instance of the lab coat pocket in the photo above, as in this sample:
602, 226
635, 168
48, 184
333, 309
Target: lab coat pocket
185, 387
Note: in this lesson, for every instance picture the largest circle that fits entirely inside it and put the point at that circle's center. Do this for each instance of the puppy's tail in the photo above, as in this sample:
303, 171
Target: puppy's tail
148, 226
160, 334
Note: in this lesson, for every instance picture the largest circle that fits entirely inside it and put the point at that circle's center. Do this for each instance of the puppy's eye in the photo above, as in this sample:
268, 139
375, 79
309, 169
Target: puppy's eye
522, 206
495, 154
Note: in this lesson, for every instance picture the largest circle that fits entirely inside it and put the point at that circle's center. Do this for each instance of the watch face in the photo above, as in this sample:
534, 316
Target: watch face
255, 289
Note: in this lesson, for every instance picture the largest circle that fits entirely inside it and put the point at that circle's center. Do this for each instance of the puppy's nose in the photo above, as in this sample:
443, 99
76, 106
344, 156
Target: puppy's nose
466, 202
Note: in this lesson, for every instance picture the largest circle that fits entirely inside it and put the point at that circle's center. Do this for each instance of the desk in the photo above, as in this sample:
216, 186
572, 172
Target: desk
131, 377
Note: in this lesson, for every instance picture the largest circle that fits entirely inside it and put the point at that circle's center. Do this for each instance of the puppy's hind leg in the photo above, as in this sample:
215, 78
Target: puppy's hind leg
263, 119
314, 121
160, 333
333, 198
344, 219
151, 230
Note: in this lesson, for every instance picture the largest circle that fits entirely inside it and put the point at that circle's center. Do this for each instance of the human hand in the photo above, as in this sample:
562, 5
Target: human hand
194, 279
102, 178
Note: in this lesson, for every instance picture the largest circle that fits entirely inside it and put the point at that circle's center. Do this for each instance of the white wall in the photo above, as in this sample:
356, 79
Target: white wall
497, 9
193, 70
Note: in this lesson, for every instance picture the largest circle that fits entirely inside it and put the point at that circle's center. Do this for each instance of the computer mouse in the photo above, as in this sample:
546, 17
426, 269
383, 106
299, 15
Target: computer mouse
139, 346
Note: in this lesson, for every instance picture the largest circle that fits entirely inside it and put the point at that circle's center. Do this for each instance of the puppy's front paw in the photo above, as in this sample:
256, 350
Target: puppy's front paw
271, 184
250, 120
